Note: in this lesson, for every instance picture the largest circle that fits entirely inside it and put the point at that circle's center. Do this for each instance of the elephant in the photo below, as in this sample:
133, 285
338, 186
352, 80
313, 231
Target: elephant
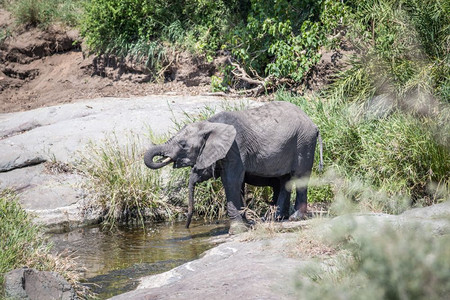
275, 140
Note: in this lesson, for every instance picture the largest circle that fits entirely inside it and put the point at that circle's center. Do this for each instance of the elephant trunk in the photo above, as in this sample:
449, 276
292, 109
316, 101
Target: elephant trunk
156, 151
191, 188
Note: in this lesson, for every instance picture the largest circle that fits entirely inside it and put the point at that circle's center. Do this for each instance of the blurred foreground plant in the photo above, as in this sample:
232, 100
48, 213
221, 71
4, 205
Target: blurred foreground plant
381, 262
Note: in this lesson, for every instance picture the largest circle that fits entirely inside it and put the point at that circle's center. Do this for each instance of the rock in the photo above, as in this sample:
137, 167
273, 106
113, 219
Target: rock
261, 269
36, 285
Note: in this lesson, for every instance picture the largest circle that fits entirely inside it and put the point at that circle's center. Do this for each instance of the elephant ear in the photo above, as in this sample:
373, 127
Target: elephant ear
219, 138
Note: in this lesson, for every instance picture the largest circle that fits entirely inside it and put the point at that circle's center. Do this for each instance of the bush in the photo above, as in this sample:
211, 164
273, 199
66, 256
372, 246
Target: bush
282, 38
116, 26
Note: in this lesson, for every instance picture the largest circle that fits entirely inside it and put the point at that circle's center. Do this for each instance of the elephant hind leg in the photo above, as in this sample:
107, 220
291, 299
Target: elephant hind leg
300, 206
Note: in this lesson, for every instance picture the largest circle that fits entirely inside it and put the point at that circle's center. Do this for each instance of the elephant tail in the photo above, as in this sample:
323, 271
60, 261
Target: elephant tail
320, 152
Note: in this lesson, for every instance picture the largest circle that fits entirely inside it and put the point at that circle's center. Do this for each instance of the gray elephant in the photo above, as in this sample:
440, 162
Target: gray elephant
276, 140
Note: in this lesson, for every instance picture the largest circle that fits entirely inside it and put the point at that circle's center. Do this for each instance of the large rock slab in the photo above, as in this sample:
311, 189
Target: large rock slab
261, 269
60, 134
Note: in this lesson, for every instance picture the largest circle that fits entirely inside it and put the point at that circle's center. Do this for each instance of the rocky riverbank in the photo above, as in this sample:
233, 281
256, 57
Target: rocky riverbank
270, 264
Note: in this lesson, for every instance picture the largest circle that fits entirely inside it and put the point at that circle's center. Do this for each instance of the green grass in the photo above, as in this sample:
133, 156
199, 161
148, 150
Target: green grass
396, 153
22, 243
43, 13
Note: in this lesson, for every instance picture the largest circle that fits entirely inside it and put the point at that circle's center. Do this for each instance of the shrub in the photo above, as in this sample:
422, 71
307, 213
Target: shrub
282, 38
115, 26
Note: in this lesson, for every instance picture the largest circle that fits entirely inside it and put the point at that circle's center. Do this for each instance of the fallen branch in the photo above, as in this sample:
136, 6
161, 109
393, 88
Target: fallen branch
261, 84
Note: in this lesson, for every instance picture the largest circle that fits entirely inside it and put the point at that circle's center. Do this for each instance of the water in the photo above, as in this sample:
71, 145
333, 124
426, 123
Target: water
115, 260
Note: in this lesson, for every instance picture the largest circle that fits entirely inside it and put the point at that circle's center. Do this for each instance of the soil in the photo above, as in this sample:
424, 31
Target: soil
48, 67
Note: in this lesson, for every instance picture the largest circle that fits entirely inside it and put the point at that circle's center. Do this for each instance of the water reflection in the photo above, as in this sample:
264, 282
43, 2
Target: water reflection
114, 260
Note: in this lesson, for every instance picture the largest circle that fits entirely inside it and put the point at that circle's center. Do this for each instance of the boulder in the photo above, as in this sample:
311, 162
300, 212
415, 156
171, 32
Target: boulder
26, 283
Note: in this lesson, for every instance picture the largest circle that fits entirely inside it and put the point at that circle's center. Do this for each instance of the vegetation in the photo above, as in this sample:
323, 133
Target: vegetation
43, 13
388, 263
402, 45
390, 151
22, 242
120, 183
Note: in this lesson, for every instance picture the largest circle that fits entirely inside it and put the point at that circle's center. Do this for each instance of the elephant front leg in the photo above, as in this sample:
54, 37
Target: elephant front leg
232, 184
234, 200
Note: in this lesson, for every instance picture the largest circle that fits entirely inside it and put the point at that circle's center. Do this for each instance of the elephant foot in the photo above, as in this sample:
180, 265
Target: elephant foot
297, 216
237, 227
281, 217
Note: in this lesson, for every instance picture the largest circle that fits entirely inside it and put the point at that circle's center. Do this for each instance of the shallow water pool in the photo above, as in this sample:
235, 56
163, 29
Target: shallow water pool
114, 260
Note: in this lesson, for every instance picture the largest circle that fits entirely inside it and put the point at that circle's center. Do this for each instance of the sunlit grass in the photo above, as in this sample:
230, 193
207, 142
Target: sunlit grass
119, 181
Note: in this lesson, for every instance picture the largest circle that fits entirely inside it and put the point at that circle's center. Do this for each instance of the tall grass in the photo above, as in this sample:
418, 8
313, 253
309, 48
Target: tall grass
22, 243
43, 13
392, 151
404, 48
123, 186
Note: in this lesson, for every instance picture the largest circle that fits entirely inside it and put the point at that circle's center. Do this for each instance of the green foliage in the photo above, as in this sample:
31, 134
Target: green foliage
282, 38
405, 46
407, 263
404, 42
397, 153
217, 84
115, 26
45, 12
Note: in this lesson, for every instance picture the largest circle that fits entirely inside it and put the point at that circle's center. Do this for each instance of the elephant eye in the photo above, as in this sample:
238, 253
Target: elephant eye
182, 144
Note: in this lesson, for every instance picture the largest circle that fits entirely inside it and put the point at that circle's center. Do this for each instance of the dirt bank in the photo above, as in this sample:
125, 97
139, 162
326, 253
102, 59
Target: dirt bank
47, 67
